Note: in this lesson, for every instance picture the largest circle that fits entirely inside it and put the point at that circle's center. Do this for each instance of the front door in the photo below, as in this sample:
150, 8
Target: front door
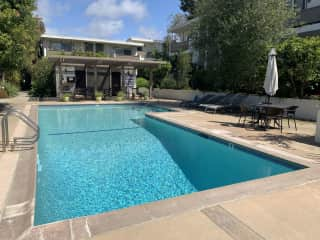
116, 83
81, 79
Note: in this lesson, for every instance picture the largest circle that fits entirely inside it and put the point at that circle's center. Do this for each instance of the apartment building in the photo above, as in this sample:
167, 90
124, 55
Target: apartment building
150, 46
96, 64
308, 17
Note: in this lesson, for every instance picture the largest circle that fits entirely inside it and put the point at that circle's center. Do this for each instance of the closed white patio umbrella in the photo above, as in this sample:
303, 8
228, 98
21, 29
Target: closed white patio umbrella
271, 81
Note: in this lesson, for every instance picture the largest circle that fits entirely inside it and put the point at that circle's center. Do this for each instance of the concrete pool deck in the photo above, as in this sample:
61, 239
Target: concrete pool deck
285, 206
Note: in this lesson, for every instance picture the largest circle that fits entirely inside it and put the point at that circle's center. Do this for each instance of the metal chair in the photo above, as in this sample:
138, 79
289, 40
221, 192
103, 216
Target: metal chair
244, 113
275, 115
291, 114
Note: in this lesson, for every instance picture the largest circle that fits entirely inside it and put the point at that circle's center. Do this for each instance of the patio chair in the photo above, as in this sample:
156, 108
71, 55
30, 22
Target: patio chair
107, 93
272, 114
245, 112
79, 94
90, 93
291, 114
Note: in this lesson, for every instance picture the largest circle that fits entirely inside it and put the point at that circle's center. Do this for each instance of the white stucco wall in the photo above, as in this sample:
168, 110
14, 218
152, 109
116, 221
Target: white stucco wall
307, 110
318, 129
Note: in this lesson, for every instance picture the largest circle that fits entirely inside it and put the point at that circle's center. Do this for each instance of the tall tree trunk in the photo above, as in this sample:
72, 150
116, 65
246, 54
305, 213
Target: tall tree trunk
3, 78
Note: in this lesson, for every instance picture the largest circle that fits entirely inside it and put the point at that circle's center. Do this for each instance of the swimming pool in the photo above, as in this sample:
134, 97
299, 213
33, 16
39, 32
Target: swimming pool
93, 159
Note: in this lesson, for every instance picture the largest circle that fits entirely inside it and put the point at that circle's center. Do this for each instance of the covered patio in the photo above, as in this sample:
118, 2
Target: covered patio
85, 75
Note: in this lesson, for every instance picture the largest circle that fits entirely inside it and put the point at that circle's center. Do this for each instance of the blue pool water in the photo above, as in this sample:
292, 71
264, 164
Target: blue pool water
93, 159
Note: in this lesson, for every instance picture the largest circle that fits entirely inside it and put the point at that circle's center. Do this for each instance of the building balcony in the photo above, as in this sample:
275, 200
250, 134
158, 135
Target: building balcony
309, 16
179, 46
87, 54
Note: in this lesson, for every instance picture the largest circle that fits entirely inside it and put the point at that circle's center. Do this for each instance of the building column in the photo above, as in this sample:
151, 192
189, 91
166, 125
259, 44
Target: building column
58, 75
150, 83
122, 78
95, 77
86, 74
110, 81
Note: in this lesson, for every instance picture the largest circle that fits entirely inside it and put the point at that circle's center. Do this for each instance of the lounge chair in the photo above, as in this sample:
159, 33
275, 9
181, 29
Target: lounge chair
223, 100
229, 103
185, 103
213, 100
200, 101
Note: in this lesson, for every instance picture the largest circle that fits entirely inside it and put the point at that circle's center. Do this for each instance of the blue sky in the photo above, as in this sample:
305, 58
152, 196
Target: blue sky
108, 19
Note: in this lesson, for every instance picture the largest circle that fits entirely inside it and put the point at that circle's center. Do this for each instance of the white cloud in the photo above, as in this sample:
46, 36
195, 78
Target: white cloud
149, 33
52, 31
116, 9
104, 28
47, 10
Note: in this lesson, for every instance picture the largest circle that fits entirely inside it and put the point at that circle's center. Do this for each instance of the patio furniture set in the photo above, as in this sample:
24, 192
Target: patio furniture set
260, 115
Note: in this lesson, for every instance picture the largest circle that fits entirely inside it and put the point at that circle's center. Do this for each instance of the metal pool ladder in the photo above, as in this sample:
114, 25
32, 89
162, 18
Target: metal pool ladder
18, 141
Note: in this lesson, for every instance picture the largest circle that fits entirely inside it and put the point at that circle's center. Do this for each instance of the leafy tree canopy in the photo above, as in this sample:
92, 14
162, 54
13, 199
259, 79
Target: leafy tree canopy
189, 7
19, 33
234, 38
299, 65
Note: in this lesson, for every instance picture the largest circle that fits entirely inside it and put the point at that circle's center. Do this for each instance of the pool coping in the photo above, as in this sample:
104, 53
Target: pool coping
89, 226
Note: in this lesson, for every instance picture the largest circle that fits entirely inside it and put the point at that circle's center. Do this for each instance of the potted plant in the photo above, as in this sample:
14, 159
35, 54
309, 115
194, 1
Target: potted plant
120, 96
66, 97
98, 96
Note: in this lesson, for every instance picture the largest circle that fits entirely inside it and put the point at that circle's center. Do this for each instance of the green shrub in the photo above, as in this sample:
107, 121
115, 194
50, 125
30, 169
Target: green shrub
98, 94
142, 82
43, 81
120, 96
168, 83
10, 89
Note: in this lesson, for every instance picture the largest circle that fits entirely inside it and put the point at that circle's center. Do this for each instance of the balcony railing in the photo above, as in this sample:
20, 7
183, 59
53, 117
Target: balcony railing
179, 46
86, 54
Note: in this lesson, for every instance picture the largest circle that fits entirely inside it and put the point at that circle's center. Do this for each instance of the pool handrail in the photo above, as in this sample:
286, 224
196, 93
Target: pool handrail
18, 140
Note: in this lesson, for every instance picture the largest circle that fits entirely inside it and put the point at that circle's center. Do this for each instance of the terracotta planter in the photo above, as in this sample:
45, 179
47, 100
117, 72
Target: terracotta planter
98, 99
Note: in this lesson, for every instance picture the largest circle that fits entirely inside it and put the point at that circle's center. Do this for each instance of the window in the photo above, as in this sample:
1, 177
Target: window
127, 52
55, 46
66, 46
119, 51
88, 47
99, 47
139, 49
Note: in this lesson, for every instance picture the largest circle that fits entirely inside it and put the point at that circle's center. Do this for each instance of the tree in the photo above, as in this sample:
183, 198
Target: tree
188, 6
234, 37
43, 81
299, 65
19, 34
183, 70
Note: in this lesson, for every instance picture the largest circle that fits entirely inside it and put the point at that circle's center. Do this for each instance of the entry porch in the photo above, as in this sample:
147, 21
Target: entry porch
84, 75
